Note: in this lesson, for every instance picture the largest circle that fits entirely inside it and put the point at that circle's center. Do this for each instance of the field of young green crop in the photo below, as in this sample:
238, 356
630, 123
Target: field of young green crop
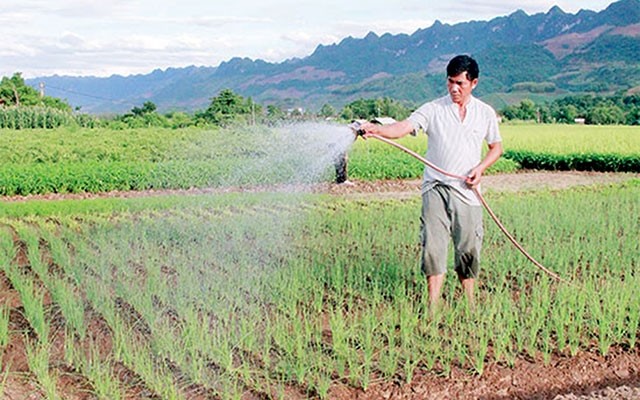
300, 296
561, 139
75, 160
573, 147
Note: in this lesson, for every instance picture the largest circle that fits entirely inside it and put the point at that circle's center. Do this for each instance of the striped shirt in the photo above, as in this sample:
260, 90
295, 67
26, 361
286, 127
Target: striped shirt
455, 145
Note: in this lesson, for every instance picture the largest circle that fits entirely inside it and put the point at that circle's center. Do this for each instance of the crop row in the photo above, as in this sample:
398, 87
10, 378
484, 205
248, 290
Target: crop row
563, 139
572, 161
94, 177
17, 118
299, 296
79, 160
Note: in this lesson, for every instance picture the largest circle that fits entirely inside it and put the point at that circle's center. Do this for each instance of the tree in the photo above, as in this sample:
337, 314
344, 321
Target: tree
633, 116
144, 116
14, 91
388, 107
347, 113
227, 107
327, 111
275, 113
148, 107
372, 108
362, 109
528, 110
179, 119
605, 115
599, 110
566, 114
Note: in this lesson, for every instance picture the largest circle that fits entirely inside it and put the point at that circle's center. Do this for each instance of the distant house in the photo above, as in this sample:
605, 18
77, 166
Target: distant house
383, 120
294, 112
579, 121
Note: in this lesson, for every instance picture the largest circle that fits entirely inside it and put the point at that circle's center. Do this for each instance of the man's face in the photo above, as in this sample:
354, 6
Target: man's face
460, 88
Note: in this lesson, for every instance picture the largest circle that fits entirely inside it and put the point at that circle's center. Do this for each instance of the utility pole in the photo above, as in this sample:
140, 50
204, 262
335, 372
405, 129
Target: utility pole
16, 94
253, 112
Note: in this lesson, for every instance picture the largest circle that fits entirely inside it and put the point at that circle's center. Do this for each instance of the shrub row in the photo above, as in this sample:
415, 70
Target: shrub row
95, 177
575, 161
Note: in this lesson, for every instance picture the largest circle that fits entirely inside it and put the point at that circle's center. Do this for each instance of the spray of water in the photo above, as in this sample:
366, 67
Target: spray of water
238, 253
292, 155
254, 243
291, 159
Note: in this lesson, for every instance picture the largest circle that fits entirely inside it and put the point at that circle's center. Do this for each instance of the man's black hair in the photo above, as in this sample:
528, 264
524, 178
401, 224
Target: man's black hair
463, 63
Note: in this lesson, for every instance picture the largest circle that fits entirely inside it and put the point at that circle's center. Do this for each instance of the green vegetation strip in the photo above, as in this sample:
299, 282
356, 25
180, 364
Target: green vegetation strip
75, 160
571, 147
579, 162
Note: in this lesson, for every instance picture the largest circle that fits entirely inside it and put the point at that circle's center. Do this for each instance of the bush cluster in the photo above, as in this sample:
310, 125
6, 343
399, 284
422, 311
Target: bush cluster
95, 177
575, 161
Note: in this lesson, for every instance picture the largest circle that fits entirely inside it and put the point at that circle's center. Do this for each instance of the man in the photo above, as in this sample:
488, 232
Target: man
456, 126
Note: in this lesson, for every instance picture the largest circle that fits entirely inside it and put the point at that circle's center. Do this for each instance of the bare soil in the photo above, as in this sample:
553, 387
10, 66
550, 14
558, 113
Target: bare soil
514, 182
520, 181
586, 376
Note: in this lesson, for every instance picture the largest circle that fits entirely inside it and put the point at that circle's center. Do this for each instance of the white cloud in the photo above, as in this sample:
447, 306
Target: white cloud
71, 40
17, 50
225, 20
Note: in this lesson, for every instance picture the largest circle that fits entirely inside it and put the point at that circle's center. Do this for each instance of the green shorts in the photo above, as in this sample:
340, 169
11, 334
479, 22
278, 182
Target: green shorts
444, 217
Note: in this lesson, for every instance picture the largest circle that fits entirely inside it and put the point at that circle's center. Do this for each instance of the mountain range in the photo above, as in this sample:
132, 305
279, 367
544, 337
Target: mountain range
538, 56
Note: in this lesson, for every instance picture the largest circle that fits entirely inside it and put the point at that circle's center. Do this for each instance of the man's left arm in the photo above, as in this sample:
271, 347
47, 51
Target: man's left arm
494, 153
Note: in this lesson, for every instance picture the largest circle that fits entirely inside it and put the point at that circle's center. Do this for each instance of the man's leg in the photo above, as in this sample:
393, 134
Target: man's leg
436, 233
468, 285
467, 239
434, 283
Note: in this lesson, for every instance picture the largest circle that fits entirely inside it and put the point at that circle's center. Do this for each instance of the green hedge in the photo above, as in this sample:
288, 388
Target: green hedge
96, 177
579, 162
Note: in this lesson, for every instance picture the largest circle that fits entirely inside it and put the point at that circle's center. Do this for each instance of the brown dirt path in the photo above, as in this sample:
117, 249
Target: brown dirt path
514, 182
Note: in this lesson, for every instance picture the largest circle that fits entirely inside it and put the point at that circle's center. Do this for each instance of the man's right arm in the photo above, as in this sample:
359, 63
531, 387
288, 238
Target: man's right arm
395, 130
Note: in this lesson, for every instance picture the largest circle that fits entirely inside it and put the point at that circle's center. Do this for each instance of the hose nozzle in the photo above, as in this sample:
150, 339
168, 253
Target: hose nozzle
356, 127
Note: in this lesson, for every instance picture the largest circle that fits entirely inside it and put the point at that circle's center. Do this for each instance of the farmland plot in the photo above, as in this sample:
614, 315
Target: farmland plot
67, 160
300, 296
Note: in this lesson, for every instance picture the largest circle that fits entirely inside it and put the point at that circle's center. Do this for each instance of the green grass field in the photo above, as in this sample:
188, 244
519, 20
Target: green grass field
292, 295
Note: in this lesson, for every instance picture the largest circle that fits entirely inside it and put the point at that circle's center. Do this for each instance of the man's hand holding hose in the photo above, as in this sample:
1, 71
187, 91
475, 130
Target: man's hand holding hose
475, 175
395, 130
399, 129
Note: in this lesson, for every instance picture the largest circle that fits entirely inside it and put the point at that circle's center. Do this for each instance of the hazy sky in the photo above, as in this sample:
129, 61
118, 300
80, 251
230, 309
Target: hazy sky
104, 37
